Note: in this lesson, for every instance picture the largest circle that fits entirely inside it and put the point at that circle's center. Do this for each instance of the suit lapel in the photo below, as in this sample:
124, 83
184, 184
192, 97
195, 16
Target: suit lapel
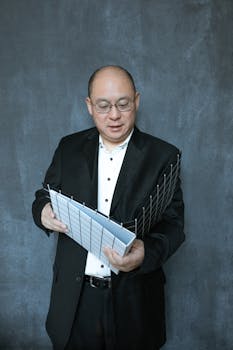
91, 155
91, 150
131, 164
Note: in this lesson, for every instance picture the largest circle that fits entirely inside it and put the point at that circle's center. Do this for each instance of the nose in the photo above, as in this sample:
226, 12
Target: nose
114, 113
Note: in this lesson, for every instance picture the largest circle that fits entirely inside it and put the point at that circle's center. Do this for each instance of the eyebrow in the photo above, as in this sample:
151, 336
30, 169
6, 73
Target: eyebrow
120, 98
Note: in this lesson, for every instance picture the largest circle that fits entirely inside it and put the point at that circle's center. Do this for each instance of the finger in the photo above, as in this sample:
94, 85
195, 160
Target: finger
55, 225
117, 259
107, 251
51, 213
114, 258
48, 219
59, 226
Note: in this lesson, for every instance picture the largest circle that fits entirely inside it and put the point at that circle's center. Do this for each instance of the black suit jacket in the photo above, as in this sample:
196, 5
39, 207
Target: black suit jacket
138, 296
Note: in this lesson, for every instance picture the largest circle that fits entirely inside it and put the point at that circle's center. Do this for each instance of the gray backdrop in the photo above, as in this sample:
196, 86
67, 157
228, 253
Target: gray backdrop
180, 53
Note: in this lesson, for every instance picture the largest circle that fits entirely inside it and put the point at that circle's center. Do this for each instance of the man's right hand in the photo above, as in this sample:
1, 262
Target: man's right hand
48, 220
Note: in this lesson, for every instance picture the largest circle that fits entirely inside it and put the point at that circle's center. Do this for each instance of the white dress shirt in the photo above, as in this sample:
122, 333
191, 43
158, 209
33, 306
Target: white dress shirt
109, 166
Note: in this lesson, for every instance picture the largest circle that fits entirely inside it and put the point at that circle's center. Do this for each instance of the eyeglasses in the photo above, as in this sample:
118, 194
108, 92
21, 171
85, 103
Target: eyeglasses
122, 105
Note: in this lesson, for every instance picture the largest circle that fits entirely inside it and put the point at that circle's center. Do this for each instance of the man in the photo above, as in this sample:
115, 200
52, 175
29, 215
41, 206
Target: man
114, 168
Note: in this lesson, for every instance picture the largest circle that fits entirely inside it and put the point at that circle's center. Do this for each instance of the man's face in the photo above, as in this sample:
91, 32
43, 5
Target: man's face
112, 86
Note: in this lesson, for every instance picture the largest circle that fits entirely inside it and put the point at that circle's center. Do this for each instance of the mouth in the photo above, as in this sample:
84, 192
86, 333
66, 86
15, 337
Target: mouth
115, 127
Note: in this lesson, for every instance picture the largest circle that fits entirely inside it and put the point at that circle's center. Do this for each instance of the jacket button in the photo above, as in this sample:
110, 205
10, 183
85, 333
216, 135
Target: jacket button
78, 279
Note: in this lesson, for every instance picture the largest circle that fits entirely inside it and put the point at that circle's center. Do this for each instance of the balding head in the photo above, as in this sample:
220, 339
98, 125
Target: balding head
113, 103
111, 69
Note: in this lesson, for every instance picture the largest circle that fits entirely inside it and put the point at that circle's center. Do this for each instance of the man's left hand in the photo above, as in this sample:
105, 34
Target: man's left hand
129, 262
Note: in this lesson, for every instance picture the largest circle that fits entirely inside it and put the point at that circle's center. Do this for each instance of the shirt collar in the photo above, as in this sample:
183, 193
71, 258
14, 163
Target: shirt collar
122, 145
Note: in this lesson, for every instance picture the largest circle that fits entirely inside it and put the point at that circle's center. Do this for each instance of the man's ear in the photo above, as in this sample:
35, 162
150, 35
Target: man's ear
89, 105
137, 100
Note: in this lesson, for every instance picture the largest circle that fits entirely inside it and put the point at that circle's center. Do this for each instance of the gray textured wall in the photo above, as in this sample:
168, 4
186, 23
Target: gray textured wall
180, 53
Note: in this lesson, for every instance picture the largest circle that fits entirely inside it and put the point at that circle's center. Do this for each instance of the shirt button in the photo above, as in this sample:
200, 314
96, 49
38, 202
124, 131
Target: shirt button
106, 200
108, 179
111, 158
102, 266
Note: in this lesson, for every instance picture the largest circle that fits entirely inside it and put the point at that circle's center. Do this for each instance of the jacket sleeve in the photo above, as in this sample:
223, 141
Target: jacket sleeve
166, 236
53, 179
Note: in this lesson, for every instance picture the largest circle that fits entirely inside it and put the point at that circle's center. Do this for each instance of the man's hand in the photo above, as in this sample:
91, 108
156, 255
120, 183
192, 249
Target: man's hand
130, 261
49, 220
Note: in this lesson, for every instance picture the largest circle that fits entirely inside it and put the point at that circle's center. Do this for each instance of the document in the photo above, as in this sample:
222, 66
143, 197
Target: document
91, 229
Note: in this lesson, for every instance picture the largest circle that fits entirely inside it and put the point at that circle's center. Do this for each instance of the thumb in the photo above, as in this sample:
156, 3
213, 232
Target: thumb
50, 211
